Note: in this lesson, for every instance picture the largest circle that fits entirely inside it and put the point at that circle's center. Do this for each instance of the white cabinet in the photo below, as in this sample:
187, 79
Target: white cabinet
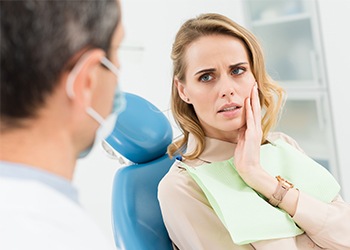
289, 32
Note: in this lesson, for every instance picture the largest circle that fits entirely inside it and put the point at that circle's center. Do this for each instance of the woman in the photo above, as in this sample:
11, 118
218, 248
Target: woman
226, 105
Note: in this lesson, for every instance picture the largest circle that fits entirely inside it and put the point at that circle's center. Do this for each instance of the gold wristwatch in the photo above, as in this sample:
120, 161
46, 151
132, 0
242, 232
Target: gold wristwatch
281, 190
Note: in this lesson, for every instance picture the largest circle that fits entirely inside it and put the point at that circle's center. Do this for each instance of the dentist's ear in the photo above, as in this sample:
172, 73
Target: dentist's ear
82, 79
181, 89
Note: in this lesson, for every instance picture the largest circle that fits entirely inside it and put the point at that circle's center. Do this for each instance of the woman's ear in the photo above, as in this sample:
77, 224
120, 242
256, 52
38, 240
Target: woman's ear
181, 89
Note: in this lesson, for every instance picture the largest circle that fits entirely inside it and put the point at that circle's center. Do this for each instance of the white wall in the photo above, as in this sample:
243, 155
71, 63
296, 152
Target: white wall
335, 20
146, 71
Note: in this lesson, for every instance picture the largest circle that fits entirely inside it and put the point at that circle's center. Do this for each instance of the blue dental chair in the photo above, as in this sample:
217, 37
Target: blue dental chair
139, 140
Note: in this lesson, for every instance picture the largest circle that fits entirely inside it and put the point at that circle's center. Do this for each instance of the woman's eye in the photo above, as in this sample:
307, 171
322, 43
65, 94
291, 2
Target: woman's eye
238, 71
205, 78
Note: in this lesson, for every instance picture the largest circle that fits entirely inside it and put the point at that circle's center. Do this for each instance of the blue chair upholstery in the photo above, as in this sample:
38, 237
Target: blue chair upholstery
141, 135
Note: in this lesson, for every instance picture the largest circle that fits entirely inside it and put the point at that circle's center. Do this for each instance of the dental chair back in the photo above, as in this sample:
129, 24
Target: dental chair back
139, 140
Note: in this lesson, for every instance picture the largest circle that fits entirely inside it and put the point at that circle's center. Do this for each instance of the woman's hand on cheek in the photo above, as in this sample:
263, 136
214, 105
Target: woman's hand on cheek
247, 152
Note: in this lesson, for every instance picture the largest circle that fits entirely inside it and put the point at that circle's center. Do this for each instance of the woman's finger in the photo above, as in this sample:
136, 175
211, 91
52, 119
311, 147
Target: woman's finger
256, 106
249, 114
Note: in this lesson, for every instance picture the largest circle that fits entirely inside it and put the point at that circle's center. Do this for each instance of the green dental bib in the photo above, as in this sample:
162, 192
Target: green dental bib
246, 215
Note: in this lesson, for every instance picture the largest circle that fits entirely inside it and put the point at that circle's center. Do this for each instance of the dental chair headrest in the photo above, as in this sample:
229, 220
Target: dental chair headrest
142, 132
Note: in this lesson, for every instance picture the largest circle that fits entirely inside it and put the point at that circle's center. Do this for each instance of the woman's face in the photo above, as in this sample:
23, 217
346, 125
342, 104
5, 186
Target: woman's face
218, 81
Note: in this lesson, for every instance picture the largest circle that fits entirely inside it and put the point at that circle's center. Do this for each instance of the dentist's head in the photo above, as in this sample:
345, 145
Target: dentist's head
59, 79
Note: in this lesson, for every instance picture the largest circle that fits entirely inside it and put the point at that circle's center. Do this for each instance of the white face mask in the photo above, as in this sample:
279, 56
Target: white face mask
106, 125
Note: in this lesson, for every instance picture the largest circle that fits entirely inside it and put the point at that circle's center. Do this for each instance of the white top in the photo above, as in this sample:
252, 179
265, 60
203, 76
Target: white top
40, 211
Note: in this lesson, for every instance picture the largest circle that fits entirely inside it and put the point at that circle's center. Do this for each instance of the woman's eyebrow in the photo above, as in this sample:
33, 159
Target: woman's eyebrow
205, 71
209, 70
238, 64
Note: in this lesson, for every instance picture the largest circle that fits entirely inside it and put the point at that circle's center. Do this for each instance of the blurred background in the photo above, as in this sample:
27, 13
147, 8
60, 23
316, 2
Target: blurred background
307, 49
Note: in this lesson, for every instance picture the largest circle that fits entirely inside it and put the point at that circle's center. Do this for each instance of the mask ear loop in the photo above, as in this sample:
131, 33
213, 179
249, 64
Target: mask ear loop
70, 84
110, 66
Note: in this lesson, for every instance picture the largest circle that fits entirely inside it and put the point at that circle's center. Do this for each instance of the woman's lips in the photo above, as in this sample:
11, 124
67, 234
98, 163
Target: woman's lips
229, 107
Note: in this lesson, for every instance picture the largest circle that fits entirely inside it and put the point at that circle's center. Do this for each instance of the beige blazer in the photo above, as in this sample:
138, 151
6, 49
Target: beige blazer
193, 225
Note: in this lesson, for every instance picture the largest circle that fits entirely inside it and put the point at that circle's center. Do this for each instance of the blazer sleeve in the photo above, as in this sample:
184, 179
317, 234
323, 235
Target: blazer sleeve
327, 224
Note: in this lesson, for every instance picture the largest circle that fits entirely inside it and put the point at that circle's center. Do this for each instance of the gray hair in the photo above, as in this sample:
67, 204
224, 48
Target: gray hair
38, 39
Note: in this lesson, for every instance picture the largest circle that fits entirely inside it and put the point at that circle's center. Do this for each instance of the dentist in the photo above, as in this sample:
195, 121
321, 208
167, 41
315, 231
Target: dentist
59, 93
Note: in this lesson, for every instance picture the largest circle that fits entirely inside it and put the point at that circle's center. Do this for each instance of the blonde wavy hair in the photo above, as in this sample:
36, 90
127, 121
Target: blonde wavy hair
271, 95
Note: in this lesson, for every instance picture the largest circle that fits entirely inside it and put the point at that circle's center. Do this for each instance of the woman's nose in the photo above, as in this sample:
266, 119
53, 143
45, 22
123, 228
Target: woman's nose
227, 88
228, 93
